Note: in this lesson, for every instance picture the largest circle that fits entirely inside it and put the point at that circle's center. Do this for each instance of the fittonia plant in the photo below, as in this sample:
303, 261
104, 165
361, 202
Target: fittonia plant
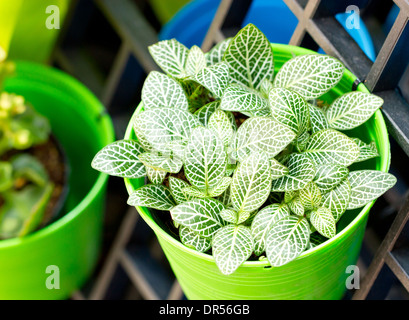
265, 169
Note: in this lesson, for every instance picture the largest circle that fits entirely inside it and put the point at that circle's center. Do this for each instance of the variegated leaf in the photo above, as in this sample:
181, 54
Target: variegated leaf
171, 56
352, 109
277, 169
289, 108
238, 98
221, 187
220, 123
331, 147
160, 90
155, 196
262, 134
194, 192
229, 215
265, 87
250, 57
163, 126
262, 223
205, 159
296, 206
337, 199
328, 176
120, 159
200, 215
232, 245
368, 185
215, 55
176, 188
287, 239
215, 78
204, 113
310, 75
225, 198
318, 120
195, 61
366, 150
191, 239
323, 221
164, 163
156, 176
251, 183
310, 196
301, 171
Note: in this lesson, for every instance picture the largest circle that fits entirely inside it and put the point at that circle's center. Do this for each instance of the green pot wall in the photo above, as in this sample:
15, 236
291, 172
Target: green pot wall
72, 243
319, 273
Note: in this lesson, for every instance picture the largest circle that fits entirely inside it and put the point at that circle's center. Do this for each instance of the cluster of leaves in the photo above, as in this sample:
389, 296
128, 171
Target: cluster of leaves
274, 185
25, 187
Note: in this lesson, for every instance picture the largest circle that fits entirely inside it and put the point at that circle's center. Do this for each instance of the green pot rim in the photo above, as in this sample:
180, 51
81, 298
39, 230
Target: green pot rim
102, 178
380, 123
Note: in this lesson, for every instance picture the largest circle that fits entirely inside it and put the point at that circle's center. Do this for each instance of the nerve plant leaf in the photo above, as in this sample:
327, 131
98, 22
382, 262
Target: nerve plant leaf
368, 185
154, 196
232, 245
195, 61
120, 159
156, 176
287, 239
366, 150
328, 176
251, 183
176, 187
289, 108
262, 134
171, 56
310, 196
160, 90
323, 221
352, 109
310, 75
331, 146
238, 98
204, 113
205, 159
162, 126
215, 78
262, 223
301, 171
200, 215
191, 239
337, 199
277, 170
250, 57
318, 120
220, 123
215, 55
160, 162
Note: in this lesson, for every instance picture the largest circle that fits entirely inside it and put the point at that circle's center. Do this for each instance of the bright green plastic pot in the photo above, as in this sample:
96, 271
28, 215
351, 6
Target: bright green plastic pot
72, 242
319, 273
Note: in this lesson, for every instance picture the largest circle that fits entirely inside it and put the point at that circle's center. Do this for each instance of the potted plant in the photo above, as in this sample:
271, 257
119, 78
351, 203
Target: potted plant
51, 202
259, 161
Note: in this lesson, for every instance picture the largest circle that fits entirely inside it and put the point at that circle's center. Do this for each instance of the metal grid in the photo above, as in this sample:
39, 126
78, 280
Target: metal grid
317, 27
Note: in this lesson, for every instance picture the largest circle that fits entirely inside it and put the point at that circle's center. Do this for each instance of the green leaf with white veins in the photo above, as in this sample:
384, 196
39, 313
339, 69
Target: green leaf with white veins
191, 239
200, 215
204, 113
176, 188
171, 56
296, 206
277, 169
368, 185
289, 108
323, 221
220, 123
120, 159
251, 183
238, 98
352, 109
221, 187
155, 196
310, 196
195, 61
366, 150
286, 240
215, 55
331, 146
215, 78
250, 57
337, 199
310, 75
262, 134
318, 120
263, 221
328, 176
156, 176
162, 126
160, 90
232, 245
164, 163
301, 171
205, 159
